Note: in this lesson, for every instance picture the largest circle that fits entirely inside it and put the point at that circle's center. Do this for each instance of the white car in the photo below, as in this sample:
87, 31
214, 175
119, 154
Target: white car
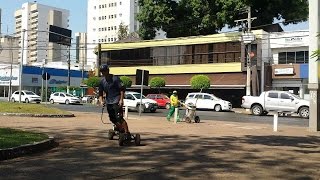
208, 101
26, 96
132, 100
276, 101
62, 97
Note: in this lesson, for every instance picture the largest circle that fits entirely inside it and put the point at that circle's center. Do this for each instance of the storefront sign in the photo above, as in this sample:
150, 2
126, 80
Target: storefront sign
7, 78
283, 71
54, 81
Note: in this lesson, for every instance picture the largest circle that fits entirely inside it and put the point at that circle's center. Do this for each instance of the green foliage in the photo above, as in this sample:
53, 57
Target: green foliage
200, 82
126, 81
61, 89
123, 31
93, 82
157, 82
202, 17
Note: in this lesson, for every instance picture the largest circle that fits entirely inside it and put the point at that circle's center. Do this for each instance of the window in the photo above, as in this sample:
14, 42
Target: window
108, 28
111, 27
115, 27
115, 4
56, 94
102, 6
111, 39
284, 96
198, 96
111, 16
94, 29
99, 29
94, 7
299, 57
115, 16
99, 18
206, 97
120, 3
273, 95
99, 6
120, 14
99, 40
108, 39
94, 18
62, 95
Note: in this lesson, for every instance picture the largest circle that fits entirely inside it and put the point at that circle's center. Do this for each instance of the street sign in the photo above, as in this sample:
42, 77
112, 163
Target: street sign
45, 76
248, 37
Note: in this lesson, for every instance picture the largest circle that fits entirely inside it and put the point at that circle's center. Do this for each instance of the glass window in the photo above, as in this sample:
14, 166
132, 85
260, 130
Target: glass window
300, 57
206, 97
108, 28
16, 93
115, 16
115, 4
56, 94
273, 95
282, 58
198, 96
291, 57
151, 96
62, 95
120, 3
284, 96
306, 56
99, 18
30, 93
94, 7
99, 6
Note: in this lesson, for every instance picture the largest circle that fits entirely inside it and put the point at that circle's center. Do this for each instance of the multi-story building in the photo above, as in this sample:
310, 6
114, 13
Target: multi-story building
81, 46
104, 18
35, 19
8, 50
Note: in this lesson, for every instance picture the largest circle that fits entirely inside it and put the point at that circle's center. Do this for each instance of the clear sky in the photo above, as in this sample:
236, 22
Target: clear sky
77, 8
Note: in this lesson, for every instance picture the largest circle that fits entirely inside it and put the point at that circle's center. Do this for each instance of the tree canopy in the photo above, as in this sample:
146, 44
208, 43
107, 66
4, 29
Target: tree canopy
126, 81
200, 82
93, 81
123, 31
157, 82
202, 17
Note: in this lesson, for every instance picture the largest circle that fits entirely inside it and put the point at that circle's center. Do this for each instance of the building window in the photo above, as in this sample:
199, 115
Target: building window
299, 57
99, 18
108, 39
108, 28
99, 40
94, 7
111, 27
115, 16
115, 4
94, 18
120, 14
111, 16
102, 6
120, 3
94, 29
99, 29
111, 39
115, 27
99, 6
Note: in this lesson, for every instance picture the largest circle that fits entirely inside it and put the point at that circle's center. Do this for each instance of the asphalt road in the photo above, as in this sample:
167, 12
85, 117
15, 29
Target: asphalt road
205, 115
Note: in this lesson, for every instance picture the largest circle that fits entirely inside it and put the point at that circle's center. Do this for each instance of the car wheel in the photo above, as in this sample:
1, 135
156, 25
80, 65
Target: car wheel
13, 100
304, 112
142, 109
197, 119
256, 110
67, 101
27, 100
168, 106
217, 108
52, 101
153, 110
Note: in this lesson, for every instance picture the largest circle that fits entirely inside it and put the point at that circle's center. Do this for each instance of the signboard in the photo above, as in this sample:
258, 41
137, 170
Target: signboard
283, 71
59, 35
45, 76
139, 77
248, 38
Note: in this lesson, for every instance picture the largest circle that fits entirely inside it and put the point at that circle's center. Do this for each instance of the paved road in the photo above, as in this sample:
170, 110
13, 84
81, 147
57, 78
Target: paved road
206, 115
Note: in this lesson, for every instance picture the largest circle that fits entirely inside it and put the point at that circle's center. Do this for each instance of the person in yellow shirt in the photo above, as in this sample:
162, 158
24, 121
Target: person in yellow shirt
174, 103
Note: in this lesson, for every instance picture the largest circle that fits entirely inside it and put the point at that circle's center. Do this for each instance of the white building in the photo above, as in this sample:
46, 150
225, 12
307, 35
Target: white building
290, 58
81, 48
104, 18
35, 19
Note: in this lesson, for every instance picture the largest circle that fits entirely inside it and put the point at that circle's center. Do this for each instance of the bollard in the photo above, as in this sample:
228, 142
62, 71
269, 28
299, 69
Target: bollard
275, 122
126, 109
176, 115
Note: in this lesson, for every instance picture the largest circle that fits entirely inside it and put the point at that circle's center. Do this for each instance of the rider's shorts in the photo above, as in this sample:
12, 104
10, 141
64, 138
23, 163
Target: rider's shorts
115, 113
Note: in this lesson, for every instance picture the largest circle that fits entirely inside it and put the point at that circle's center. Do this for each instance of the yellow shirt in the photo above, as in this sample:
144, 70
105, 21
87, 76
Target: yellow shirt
174, 101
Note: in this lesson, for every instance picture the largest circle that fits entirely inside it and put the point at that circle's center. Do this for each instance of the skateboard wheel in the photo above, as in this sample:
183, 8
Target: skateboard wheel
137, 140
188, 120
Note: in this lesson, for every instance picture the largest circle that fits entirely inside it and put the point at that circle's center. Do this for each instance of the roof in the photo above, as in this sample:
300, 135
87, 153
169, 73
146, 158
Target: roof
214, 38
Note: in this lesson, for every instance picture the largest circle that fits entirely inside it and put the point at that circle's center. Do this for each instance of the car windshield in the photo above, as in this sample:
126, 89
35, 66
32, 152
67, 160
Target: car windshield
138, 96
69, 95
30, 93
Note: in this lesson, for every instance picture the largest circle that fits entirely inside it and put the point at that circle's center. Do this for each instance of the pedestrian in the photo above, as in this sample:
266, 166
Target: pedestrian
174, 103
114, 91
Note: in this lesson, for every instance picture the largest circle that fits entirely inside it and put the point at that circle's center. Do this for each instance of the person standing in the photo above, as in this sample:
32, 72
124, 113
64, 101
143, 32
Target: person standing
174, 103
114, 94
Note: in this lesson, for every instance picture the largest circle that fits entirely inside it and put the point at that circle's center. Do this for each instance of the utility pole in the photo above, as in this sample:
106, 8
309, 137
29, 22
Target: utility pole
314, 66
21, 64
68, 88
247, 38
11, 57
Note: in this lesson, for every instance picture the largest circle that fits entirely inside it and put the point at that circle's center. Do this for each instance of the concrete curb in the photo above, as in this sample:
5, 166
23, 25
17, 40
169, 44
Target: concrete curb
38, 115
15, 152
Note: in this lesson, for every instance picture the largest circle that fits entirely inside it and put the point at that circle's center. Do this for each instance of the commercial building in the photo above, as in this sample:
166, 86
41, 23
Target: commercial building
9, 50
104, 18
222, 57
35, 19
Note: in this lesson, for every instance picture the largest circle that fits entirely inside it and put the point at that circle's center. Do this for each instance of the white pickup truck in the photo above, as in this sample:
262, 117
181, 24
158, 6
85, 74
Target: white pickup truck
276, 101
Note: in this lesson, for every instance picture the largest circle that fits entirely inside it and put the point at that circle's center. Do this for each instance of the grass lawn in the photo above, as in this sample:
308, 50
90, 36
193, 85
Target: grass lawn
9, 107
12, 138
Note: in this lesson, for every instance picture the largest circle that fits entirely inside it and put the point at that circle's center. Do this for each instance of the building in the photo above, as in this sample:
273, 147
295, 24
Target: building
9, 50
222, 57
290, 58
35, 19
81, 48
104, 18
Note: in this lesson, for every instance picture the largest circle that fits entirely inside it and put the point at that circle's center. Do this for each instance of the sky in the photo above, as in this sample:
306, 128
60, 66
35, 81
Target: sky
78, 9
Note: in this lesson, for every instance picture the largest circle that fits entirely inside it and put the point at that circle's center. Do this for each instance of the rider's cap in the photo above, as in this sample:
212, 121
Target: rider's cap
175, 92
104, 67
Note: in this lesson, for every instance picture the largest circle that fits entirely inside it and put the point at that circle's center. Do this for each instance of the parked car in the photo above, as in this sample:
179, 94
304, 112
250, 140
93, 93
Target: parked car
208, 101
162, 100
26, 96
62, 97
280, 101
87, 98
132, 100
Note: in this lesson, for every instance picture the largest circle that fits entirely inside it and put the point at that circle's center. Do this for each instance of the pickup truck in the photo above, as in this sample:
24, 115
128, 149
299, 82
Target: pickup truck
276, 101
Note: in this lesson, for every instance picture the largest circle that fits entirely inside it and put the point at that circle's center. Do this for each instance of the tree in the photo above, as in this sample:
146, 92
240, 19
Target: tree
126, 81
200, 82
123, 31
157, 82
202, 17
93, 82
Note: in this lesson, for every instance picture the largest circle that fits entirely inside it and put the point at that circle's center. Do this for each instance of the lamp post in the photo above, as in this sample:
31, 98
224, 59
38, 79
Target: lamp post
21, 64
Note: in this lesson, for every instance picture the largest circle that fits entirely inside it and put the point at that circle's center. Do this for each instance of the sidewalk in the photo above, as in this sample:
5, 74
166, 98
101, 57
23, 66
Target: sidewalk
208, 150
